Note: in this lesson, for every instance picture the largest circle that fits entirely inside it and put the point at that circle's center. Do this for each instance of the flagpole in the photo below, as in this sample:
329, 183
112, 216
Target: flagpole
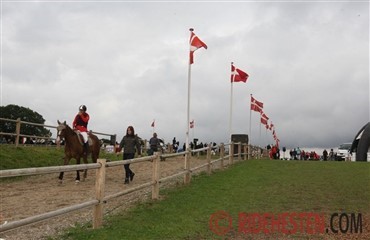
231, 105
187, 156
154, 126
188, 107
266, 140
192, 130
250, 120
259, 142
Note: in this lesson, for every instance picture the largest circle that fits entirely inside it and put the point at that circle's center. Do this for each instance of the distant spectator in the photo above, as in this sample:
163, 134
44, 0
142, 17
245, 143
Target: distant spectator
325, 155
298, 153
154, 143
331, 155
175, 144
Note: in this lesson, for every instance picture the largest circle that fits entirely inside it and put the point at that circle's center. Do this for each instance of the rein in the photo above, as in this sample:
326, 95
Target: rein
65, 127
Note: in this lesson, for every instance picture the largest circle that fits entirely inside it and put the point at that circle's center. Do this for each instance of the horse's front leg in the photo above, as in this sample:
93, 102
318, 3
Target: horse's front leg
78, 171
61, 174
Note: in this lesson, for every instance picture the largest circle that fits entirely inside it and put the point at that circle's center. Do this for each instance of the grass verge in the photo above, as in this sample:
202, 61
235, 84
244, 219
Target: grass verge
255, 186
36, 156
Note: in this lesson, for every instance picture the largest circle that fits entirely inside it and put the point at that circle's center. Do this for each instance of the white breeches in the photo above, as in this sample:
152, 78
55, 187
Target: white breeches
84, 135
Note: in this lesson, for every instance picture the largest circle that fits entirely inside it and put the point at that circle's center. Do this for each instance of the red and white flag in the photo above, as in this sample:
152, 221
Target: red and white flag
256, 105
192, 124
263, 120
195, 43
238, 75
259, 104
271, 126
264, 116
256, 108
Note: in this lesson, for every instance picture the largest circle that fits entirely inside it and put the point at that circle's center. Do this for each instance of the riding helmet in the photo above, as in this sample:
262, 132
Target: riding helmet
83, 108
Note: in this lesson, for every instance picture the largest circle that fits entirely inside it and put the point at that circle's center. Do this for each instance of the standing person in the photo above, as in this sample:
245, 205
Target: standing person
80, 123
154, 143
325, 155
129, 142
174, 144
331, 155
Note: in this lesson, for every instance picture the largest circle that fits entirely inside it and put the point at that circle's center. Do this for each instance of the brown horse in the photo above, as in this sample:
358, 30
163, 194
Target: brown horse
74, 147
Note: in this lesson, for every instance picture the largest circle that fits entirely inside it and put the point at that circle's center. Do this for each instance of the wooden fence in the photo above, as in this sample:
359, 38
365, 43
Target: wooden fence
102, 165
18, 134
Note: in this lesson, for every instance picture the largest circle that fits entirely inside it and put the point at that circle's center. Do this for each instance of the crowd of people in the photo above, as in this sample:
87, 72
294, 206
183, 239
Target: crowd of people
300, 154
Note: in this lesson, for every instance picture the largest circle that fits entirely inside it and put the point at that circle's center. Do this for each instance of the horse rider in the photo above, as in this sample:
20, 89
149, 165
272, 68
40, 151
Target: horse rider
80, 123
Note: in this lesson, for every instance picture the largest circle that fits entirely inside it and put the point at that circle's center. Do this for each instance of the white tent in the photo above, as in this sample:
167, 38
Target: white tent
361, 144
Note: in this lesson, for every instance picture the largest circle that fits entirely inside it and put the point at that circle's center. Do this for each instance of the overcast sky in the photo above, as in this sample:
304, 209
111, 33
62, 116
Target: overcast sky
128, 63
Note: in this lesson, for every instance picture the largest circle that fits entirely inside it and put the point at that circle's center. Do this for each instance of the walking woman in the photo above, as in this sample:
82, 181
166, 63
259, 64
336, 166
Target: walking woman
129, 142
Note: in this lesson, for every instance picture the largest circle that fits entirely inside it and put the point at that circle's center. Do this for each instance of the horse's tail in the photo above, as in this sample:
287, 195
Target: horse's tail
95, 147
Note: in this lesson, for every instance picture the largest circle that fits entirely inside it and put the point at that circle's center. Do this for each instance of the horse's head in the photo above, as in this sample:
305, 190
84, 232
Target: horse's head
61, 130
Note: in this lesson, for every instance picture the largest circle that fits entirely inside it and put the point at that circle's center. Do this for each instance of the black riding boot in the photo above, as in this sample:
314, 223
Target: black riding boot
86, 148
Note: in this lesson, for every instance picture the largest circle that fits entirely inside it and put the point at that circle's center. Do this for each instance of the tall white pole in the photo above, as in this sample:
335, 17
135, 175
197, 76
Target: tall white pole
250, 121
153, 127
266, 140
192, 132
188, 108
231, 110
231, 103
187, 157
259, 141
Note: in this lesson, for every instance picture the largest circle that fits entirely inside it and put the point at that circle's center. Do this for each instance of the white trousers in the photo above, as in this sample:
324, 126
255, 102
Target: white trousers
84, 135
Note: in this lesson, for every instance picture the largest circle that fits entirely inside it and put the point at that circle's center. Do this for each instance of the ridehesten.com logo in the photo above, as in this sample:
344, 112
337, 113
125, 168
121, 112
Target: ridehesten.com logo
222, 222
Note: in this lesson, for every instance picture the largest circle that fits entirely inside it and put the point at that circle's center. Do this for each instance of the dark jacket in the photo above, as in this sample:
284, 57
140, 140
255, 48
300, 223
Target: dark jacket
154, 143
128, 143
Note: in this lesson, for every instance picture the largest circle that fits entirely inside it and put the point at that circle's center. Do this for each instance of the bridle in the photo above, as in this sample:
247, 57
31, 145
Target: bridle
60, 128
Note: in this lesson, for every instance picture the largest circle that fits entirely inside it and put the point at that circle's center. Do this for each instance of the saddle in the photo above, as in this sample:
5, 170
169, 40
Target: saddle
80, 137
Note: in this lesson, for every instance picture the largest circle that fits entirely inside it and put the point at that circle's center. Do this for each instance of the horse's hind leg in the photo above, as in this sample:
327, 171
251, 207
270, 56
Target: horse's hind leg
85, 171
61, 174
78, 172
77, 176
61, 177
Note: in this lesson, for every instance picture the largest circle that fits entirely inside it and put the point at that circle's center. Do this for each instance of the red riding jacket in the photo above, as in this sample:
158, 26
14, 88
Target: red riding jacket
80, 122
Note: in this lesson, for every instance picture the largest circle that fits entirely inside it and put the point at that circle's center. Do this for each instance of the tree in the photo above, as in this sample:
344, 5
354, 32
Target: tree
14, 112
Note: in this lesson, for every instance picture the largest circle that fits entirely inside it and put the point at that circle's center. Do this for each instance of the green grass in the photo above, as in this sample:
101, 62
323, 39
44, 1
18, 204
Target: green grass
255, 186
35, 156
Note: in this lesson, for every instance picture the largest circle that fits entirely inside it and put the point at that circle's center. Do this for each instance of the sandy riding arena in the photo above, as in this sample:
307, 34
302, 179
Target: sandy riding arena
43, 193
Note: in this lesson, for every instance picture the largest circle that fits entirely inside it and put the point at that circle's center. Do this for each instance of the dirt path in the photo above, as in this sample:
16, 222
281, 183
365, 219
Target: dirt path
41, 194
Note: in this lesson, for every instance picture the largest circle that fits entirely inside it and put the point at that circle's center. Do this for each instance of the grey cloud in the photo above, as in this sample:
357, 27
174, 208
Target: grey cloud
308, 62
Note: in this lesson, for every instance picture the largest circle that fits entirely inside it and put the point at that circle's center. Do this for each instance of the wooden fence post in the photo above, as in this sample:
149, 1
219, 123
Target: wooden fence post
231, 153
222, 155
17, 131
249, 151
155, 179
169, 148
144, 148
209, 159
187, 166
240, 151
99, 194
